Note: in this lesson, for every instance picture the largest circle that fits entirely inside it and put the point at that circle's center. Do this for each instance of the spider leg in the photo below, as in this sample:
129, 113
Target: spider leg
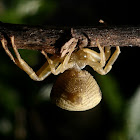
24, 66
7, 51
59, 69
107, 52
94, 60
102, 54
108, 66
66, 47
52, 64
45, 70
64, 65
112, 60
40, 75
105, 56
92, 55
96, 57
101, 59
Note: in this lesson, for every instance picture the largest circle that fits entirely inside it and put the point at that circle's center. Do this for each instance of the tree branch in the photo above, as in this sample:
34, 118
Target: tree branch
51, 39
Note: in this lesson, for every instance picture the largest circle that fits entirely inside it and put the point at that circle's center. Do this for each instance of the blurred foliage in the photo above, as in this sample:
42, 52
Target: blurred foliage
23, 11
26, 110
132, 116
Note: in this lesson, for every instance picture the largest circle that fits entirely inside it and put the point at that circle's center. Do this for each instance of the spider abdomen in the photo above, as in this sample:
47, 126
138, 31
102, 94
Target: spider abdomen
76, 90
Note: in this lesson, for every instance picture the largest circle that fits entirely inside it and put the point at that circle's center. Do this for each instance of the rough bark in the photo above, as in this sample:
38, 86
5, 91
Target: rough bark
51, 39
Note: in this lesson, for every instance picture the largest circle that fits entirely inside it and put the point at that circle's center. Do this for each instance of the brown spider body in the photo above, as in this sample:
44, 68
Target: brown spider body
76, 90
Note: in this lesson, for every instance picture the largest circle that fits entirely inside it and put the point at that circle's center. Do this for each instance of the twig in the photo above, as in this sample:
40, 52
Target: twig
51, 39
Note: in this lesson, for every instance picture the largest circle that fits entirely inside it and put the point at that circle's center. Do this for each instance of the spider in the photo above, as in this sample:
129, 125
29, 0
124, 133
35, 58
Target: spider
70, 58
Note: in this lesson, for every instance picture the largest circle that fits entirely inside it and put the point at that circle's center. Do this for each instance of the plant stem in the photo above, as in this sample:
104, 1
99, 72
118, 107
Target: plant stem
51, 39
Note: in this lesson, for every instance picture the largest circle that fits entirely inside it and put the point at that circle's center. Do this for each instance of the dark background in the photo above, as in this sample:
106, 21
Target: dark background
25, 108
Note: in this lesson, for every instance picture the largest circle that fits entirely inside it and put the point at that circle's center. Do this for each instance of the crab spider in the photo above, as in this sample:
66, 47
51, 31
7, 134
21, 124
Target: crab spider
69, 59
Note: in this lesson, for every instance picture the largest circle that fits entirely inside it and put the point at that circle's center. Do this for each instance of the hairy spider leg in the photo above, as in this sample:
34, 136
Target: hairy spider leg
41, 74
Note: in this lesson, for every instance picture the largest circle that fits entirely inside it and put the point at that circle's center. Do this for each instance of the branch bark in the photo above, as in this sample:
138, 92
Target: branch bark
51, 39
